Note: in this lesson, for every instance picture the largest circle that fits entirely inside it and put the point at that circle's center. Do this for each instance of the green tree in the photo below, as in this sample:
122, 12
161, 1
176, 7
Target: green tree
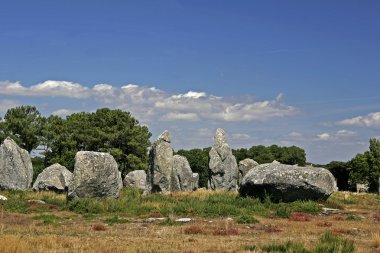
365, 168
359, 168
374, 164
261, 154
58, 141
240, 154
106, 130
292, 155
24, 125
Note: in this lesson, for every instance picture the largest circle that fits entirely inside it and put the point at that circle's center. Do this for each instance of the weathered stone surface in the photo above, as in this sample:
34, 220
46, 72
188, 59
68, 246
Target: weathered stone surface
95, 175
288, 182
53, 178
160, 165
182, 177
244, 166
195, 181
223, 169
16, 171
135, 179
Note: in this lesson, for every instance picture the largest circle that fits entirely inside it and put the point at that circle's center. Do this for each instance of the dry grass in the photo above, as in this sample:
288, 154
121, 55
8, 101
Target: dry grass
99, 227
298, 216
325, 224
376, 240
226, 231
192, 230
21, 233
376, 216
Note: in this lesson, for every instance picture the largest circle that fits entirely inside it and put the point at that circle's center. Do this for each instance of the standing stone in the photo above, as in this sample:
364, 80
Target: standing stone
135, 179
182, 177
16, 170
288, 183
222, 165
160, 165
245, 166
96, 175
53, 178
195, 181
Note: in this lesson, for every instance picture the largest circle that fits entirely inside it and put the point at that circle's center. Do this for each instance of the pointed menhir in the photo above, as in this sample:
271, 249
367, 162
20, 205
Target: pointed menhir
223, 169
160, 165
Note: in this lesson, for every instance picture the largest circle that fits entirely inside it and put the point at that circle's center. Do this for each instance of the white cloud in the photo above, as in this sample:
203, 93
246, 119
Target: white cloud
240, 137
340, 134
46, 89
295, 135
190, 94
370, 120
345, 133
64, 112
149, 103
180, 116
324, 136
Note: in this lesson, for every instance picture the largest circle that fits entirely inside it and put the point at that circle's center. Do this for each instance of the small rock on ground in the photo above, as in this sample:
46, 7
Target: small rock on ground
183, 220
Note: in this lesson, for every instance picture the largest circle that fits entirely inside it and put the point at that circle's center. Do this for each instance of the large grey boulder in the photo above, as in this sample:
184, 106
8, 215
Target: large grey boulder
160, 165
245, 166
53, 178
95, 175
182, 177
16, 170
135, 179
288, 183
223, 169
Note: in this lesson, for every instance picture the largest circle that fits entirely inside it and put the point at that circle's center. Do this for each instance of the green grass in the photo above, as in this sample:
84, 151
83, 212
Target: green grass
289, 246
246, 219
115, 220
48, 219
249, 247
353, 218
170, 222
216, 204
133, 203
16, 202
328, 243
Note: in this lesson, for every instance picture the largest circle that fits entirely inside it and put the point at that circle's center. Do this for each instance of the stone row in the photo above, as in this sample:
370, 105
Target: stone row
96, 174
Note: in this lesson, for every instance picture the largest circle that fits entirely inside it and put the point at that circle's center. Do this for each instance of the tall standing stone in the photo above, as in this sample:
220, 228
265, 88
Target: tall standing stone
182, 177
160, 165
222, 164
16, 170
96, 175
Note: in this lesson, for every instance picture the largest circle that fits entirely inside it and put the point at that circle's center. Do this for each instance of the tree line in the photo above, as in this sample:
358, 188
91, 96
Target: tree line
362, 169
106, 130
120, 134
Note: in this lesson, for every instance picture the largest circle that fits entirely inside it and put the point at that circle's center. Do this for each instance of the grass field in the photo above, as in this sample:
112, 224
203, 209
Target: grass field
221, 222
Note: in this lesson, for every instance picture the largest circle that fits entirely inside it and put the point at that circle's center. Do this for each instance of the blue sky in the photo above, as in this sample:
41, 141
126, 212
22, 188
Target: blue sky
302, 73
